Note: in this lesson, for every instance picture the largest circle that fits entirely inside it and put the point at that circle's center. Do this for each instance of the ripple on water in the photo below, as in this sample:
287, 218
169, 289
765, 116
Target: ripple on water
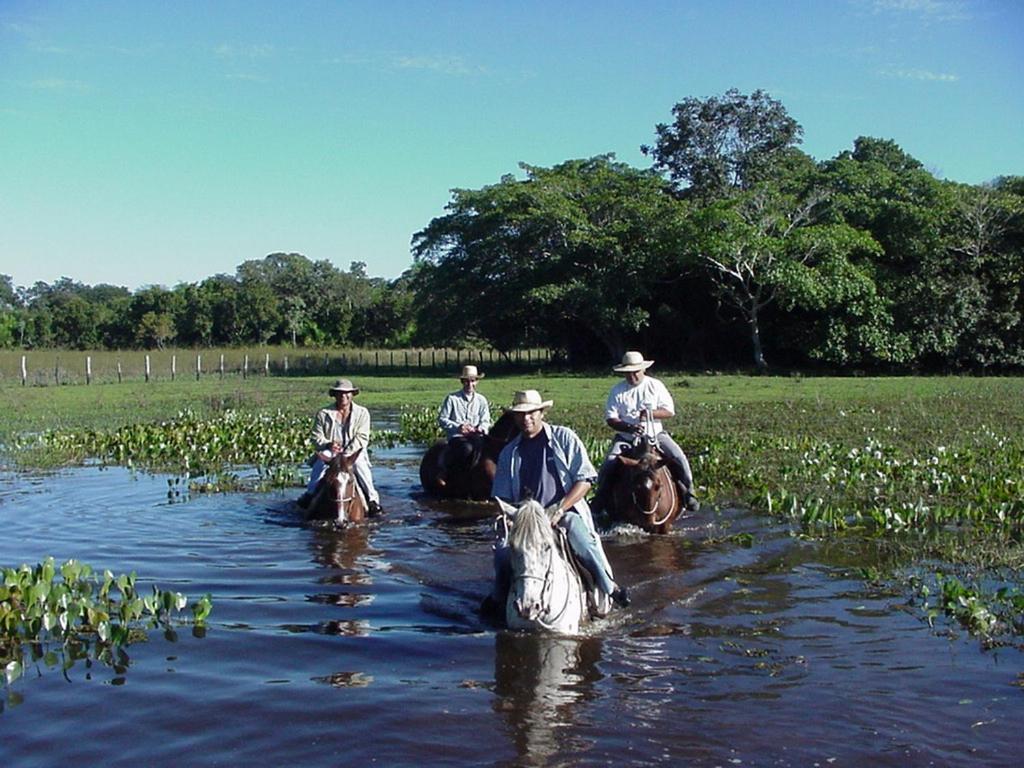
363, 644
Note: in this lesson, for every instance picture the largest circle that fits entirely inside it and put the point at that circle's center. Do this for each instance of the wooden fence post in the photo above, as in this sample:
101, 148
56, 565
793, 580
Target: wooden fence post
174, 366
119, 371
286, 365
245, 367
56, 372
24, 371
222, 365
199, 365
88, 369
147, 369
266, 364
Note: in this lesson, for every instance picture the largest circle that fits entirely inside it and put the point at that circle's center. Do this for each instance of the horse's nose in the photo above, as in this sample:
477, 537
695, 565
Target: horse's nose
527, 609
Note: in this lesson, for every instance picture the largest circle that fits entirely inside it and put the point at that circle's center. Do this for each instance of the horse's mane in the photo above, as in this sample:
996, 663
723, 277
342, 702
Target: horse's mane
531, 526
648, 456
504, 429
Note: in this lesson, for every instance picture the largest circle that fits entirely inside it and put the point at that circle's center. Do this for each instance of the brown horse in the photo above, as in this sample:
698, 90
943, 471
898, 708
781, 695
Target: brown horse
466, 478
338, 496
643, 491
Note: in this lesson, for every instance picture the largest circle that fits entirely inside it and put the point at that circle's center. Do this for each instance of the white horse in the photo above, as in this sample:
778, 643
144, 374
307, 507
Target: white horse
546, 591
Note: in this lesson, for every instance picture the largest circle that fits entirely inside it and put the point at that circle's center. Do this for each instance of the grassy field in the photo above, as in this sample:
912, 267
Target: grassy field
931, 468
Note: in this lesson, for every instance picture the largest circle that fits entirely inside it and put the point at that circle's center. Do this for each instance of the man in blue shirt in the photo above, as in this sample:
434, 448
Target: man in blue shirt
465, 417
549, 463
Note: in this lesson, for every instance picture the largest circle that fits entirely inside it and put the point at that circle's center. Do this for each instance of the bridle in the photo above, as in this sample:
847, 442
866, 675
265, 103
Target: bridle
547, 581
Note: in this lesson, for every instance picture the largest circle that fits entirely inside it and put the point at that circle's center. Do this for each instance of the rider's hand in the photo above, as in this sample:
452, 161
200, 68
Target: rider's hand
554, 512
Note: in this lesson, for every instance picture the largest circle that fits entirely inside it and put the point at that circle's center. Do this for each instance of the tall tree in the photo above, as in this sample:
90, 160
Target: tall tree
568, 250
718, 146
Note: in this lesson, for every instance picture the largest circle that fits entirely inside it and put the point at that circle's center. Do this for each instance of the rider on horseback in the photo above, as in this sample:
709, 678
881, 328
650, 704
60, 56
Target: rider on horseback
549, 464
635, 408
344, 428
465, 417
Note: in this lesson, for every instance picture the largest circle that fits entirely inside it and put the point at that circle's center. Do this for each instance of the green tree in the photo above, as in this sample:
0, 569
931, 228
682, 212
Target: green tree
879, 188
155, 330
568, 251
387, 321
718, 146
151, 316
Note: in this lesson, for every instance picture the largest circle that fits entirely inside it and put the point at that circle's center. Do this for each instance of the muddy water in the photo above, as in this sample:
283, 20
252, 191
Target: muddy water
363, 646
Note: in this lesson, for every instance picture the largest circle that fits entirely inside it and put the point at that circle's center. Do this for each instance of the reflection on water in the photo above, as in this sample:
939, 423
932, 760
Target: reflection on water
542, 684
772, 654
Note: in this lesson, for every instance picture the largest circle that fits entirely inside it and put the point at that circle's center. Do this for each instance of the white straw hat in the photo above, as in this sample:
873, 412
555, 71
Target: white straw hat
633, 361
470, 372
527, 400
344, 385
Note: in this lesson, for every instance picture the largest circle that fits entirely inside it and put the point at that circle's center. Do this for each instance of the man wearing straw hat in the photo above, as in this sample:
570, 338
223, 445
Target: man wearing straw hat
549, 463
465, 417
636, 406
345, 428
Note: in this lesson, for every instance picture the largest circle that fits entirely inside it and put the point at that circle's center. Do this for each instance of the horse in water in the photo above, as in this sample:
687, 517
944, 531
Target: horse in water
643, 491
547, 592
338, 496
450, 475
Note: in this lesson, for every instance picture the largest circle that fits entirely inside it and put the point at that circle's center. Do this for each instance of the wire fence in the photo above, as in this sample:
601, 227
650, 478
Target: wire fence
60, 367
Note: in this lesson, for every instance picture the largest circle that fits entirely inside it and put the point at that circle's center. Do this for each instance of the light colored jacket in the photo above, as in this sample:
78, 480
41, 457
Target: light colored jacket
328, 428
571, 462
458, 409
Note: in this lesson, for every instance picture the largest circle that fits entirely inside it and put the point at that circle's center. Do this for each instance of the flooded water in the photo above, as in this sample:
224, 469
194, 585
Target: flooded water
363, 646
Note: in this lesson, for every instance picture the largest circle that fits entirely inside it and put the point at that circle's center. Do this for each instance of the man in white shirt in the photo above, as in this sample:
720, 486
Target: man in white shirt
637, 405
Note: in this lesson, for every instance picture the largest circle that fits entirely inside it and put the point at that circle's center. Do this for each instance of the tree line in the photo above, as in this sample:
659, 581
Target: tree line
734, 248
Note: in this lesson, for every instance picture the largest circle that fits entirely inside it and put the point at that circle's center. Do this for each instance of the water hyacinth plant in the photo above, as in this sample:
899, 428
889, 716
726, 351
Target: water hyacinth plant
59, 615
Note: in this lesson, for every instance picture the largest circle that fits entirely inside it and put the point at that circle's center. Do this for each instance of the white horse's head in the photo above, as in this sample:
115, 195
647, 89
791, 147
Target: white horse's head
533, 549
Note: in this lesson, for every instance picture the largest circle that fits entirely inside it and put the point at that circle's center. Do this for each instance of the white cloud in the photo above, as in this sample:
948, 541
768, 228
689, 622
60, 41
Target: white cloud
256, 51
930, 10
58, 84
448, 65
918, 74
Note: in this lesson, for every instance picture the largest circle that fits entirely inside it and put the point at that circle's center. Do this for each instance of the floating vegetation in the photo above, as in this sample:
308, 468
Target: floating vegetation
991, 612
59, 615
913, 465
205, 453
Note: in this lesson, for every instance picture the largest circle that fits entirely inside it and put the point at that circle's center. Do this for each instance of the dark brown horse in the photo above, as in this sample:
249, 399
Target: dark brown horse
456, 477
338, 496
643, 492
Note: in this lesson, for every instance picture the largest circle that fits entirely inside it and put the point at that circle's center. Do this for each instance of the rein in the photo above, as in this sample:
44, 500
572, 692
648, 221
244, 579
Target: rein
657, 500
548, 581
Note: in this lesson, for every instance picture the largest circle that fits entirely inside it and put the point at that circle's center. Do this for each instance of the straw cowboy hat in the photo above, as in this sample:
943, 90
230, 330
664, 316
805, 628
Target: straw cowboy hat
528, 400
470, 372
343, 385
633, 361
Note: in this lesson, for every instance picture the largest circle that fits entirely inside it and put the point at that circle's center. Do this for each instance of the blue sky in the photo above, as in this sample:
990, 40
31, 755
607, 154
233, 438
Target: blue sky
148, 142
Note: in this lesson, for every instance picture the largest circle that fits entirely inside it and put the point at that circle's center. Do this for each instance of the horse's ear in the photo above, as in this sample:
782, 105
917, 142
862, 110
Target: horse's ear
351, 460
627, 460
507, 508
